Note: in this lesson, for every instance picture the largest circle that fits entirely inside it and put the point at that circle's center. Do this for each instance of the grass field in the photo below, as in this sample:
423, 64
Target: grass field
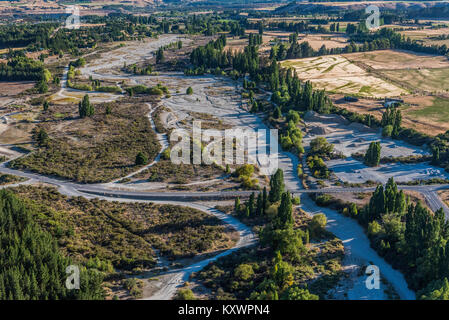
420, 34
432, 80
427, 114
335, 73
437, 110
336, 40
396, 59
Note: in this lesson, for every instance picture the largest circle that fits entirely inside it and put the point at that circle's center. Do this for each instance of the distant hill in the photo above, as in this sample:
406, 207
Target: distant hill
426, 8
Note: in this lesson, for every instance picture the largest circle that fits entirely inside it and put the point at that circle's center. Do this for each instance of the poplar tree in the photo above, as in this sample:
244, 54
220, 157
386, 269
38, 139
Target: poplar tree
372, 156
376, 205
391, 191
264, 199
276, 186
160, 55
277, 114
259, 205
86, 109
251, 203
237, 205
285, 212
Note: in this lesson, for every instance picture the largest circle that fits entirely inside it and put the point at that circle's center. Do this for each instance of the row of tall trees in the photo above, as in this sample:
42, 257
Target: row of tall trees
257, 207
411, 238
46, 35
383, 39
253, 207
299, 27
386, 38
391, 121
290, 93
286, 243
255, 39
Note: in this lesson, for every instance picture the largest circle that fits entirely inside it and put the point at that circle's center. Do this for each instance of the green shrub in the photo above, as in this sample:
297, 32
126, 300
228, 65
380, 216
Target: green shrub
185, 294
317, 225
244, 272
141, 159
387, 130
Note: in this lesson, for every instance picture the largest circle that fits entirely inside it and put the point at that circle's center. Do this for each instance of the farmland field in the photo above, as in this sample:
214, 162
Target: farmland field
426, 114
336, 40
397, 59
436, 110
335, 73
432, 80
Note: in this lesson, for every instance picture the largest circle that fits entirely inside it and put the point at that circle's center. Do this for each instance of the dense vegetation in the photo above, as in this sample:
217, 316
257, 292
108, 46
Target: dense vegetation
409, 236
285, 265
382, 39
318, 167
212, 56
43, 36
123, 236
32, 267
22, 35
386, 38
21, 68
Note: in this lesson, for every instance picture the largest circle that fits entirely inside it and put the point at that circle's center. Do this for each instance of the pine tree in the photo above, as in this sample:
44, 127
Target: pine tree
396, 123
400, 205
436, 156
